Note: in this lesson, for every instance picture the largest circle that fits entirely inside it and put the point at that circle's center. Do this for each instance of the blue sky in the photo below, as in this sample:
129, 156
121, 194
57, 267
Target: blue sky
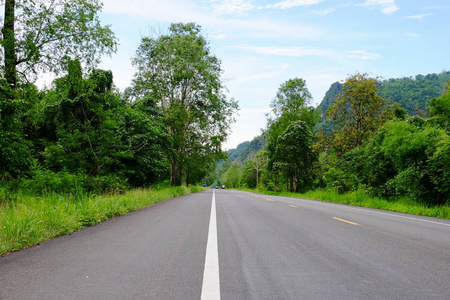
264, 43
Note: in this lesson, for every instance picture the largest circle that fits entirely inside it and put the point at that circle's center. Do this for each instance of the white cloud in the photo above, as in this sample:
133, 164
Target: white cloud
412, 34
267, 29
418, 17
257, 77
220, 36
234, 7
387, 6
290, 51
361, 54
190, 11
322, 12
293, 3
306, 51
156, 10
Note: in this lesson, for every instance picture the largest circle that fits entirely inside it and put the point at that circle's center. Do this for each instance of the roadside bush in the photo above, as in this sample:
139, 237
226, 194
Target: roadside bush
439, 166
46, 181
405, 158
339, 180
109, 184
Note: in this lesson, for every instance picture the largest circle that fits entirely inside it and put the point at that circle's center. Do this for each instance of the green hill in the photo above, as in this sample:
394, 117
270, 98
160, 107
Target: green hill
243, 150
412, 93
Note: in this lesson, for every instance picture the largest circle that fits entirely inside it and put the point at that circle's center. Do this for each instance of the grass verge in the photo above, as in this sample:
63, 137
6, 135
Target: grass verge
29, 220
360, 198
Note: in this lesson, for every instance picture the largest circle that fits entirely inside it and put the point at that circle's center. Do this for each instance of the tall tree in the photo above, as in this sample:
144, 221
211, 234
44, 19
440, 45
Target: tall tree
257, 163
440, 109
181, 74
291, 99
232, 177
290, 105
39, 34
294, 151
357, 112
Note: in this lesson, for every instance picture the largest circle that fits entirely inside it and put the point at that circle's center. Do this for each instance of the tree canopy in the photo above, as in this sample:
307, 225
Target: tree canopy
181, 74
39, 35
357, 112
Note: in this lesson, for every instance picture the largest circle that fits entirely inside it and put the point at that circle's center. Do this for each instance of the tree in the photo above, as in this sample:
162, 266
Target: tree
232, 176
258, 163
294, 151
289, 106
404, 158
440, 109
357, 112
85, 119
291, 99
179, 72
38, 35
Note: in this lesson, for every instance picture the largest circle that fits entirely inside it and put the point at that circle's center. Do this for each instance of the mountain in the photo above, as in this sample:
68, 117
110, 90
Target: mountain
412, 93
243, 150
415, 93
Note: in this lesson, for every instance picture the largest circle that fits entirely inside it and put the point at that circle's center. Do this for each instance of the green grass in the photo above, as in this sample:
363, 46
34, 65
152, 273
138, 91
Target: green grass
27, 220
360, 198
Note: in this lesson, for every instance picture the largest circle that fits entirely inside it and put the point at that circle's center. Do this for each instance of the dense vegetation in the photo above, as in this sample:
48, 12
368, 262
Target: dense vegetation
81, 134
70, 153
369, 144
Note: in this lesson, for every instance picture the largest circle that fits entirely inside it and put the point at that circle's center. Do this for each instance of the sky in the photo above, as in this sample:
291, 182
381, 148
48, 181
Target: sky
263, 43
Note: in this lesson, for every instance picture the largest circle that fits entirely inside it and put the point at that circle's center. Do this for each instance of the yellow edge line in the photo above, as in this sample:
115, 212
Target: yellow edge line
342, 220
293, 206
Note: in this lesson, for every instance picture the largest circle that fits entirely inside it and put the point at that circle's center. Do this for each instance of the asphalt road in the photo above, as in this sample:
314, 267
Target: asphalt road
267, 248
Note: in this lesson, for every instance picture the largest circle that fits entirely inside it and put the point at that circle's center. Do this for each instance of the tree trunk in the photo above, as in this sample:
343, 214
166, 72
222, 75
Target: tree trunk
176, 173
257, 178
9, 44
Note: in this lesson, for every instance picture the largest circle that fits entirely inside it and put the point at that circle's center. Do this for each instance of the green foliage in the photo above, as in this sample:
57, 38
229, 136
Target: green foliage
15, 146
292, 97
357, 112
439, 169
254, 168
83, 126
414, 93
339, 180
404, 158
330, 97
144, 134
440, 110
179, 72
410, 93
46, 33
87, 124
247, 149
289, 107
232, 177
294, 151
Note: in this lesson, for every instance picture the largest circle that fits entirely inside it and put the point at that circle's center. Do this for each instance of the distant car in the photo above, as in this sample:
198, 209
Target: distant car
223, 186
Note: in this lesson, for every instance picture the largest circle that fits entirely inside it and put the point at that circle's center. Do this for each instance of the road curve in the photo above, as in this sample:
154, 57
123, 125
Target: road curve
268, 248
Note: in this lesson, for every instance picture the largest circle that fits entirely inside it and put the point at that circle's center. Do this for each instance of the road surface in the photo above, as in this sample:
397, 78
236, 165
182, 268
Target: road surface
222, 244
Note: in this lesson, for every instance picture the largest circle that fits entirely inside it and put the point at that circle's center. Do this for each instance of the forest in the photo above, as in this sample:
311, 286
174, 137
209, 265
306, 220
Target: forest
386, 138
82, 133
